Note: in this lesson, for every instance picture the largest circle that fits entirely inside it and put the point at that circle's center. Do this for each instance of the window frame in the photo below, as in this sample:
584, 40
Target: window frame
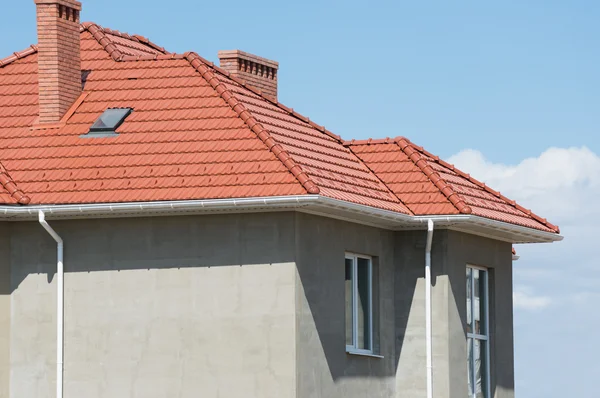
104, 130
353, 349
484, 339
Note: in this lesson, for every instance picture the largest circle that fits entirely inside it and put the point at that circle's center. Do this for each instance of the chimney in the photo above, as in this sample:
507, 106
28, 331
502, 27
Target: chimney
59, 57
258, 72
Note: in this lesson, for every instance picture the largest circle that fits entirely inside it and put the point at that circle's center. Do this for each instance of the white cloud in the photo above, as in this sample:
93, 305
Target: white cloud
561, 184
528, 301
557, 286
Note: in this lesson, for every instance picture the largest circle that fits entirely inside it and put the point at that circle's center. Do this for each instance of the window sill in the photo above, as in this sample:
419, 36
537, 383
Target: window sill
363, 354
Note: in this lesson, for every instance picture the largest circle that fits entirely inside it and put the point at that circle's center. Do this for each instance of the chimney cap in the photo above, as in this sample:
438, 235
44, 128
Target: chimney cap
76, 5
238, 54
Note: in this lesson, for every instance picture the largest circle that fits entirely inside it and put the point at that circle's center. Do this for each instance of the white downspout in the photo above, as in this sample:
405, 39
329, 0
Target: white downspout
59, 303
428, 334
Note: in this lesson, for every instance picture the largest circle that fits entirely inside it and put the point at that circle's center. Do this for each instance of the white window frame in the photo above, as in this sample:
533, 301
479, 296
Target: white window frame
482, 338
353, 349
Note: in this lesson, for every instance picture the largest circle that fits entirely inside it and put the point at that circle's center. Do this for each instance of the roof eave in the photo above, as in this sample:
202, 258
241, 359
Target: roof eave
498, 230
314, 204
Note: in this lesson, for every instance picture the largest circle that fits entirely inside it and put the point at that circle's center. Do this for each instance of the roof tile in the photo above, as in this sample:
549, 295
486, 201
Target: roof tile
429, 185
197, 133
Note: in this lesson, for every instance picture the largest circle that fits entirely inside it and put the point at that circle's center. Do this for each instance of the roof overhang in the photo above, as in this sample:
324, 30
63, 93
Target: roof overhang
314, 204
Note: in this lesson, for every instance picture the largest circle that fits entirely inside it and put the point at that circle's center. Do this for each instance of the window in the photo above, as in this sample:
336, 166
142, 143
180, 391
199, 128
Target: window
359, 304
109, 121
478, 340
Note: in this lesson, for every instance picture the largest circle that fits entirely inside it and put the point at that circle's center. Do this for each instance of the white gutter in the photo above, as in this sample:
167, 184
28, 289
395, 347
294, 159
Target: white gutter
138, 207
393, 220
59, 303
428, 334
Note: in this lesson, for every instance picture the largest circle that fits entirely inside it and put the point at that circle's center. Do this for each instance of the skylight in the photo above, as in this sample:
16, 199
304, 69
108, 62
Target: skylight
109, 121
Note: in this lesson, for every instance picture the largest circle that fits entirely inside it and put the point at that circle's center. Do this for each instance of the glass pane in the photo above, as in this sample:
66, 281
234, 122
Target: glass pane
479, 301
111, 119
349, 313
480, 368
469, 297
364, 298
470, 366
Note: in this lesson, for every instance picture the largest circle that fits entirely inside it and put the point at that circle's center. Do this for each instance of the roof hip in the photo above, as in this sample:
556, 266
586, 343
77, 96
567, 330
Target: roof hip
458, 202
205, 71
11, 187
491, 191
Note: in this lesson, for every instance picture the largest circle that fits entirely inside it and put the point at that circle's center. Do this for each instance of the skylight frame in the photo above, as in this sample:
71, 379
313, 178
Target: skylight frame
106, 125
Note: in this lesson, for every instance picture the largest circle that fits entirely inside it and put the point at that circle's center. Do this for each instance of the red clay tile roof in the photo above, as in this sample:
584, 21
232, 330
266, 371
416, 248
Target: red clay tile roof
428, 185
337, 172
198, 133
9, 192
194, 134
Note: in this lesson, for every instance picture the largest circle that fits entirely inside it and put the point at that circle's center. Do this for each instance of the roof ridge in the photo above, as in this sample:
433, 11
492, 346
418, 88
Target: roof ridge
11, 187
32, 49
91, 26
407, 147
485, 187
199, 64
99, 34
370, 141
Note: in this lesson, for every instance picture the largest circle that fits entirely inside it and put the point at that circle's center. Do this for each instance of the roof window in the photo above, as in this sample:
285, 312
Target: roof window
107, 124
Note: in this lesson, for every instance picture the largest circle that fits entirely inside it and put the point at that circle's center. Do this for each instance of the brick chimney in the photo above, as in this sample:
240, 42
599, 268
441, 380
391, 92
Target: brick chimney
59, 57
258, 72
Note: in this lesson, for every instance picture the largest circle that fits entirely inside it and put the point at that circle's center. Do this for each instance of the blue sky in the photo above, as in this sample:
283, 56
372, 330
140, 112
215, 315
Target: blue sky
493, 87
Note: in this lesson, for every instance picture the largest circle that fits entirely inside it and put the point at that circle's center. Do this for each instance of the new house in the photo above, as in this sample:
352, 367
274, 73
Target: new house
169, 229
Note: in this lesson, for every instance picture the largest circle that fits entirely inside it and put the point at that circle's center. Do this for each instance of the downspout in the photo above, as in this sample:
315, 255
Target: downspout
428, 334
59, 303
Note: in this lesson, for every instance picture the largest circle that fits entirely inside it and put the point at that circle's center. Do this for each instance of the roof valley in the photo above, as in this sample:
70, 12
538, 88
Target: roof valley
380, 179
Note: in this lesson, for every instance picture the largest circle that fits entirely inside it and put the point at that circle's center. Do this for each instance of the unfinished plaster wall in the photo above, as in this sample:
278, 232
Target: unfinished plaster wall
409, 296
198, 306
245, 305
495, 255
451, 253
324, 367
4, 310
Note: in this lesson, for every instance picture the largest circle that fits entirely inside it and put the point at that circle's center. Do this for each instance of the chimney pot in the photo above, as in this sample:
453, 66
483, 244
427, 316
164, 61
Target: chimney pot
58, 40
258, 72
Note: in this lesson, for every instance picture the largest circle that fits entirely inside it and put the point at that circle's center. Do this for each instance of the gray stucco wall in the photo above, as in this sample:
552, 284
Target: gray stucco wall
497, 256
4, 310
409, 297
451, 253
324, 368
247, 305
157, 307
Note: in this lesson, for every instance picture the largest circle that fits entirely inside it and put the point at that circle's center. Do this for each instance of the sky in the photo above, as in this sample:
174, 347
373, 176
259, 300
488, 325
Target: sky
508, 91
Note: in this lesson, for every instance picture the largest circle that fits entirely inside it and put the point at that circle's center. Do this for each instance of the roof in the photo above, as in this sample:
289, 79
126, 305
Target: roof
429, 185
9, 192
198, 133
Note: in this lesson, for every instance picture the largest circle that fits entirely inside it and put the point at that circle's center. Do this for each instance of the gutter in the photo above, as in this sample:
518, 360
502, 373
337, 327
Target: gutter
60, 315
428, 332
140, 207
323, 205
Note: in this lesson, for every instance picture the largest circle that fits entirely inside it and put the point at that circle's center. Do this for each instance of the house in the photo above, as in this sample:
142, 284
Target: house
168, 229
